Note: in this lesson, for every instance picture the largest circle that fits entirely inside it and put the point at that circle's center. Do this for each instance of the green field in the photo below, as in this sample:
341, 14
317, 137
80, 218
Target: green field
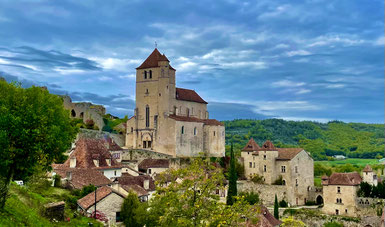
353, 161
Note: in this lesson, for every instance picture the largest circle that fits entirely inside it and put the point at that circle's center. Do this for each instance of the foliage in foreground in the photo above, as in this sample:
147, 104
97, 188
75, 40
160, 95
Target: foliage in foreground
191, 199
291, 222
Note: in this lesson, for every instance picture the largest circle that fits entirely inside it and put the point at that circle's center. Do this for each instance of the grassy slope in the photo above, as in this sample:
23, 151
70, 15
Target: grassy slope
23, 209
353, 161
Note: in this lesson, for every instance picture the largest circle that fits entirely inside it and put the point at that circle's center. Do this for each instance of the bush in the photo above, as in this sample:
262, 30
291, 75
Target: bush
310, 203
107, 128
250, 197
57, 181
90, 124
279, 181
86, 190
282, 203
257, 179
333, 224
291, 212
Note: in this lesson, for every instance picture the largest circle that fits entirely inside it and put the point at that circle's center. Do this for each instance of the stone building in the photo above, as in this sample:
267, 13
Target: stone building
85, 111
369, 176
340, 193
153, 167
171, 120
293, 165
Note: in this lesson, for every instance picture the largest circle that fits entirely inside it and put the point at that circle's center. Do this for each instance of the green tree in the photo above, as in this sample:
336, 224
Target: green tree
291, 222
129, 210
250, 197
87, 190
191, 200
232, 191
35, 130
276, 210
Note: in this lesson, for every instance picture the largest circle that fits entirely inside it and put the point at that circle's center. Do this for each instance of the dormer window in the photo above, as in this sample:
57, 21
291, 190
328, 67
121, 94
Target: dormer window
96, 162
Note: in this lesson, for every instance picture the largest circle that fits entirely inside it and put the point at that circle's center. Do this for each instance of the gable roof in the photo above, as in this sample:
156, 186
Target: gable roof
268, 146
154, 163
194, 119
152, 60
87, 150
287, 153
349, 179
135, 188
138, 180
101, 193
83, 177
188, 95
367, 169
267, 219
251, 146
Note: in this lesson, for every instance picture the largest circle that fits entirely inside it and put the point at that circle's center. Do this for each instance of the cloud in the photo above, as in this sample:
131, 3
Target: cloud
287, 83
343, 39
380, 41
297, 52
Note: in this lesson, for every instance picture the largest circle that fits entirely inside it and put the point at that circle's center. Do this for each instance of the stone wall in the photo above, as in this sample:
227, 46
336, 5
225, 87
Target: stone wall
369, 206
108, 206
139, 155
94, 134
266, 192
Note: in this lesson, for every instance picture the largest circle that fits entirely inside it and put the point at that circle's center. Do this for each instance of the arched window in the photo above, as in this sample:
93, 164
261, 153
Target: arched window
283, 182
73, 113
195, 131
187, 112
182, 130
81, 114
147, 116
150, 72
145, 75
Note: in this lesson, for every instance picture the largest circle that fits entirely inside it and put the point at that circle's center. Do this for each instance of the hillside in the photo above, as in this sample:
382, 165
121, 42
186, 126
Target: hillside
354, 140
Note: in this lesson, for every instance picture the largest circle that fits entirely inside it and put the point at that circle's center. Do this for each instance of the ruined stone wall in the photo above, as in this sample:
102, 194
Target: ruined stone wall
94, 134
266, 192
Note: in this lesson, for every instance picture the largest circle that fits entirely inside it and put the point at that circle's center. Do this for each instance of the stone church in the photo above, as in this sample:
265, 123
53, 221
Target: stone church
168, 119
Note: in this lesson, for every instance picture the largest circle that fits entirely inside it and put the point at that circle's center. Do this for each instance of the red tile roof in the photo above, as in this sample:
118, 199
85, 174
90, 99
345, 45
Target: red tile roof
154, 163
89, 149
101, 193
251, 146
350, 179
138, 180
287, 153
267, 218
153, 59
188, 95
112, 146
268, 146
367, 169
194, 119
135, 188
83, 177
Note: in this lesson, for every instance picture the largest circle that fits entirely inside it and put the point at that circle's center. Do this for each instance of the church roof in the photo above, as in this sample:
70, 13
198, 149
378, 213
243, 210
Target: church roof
153, 59
251, 146
194, 119
188, 95
367, 169
349, 179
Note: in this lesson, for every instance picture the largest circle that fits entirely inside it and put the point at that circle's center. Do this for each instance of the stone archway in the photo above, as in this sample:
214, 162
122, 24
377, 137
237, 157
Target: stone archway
319, 200
73, 113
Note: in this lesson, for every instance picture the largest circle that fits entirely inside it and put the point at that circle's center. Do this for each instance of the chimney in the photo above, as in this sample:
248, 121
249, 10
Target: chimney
69, 175
73, 162
146, 184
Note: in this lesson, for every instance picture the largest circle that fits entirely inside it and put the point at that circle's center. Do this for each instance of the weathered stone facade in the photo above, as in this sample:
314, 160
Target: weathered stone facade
170, 120
294, 165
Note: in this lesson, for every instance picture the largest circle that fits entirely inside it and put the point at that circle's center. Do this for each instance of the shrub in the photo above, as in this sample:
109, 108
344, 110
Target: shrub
291, 212
87, 190
250, 197
310, 203
279, 181
257, 179
333, 224
282, 203
90, 124
57, 181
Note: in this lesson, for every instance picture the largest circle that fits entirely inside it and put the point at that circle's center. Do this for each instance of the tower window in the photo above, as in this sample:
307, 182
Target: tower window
145, 75
195, 131
214, 133
150, 72
147, 92
182, 130
147, 116
264, 168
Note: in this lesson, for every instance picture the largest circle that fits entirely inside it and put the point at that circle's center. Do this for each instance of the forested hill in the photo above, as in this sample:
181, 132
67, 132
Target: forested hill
355, 140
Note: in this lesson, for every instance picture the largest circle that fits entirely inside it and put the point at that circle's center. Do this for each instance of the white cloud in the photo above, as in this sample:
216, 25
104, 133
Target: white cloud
128, 76
380, 41
281, 46
104, 78
344, 39
66, 71
322, 120
302, 91
297, 52
116, 63
287, 83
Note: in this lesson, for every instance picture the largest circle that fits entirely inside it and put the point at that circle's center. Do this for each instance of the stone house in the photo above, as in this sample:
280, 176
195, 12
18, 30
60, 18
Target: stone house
369, 176
144, 181
340, 193
293, 165
153, 167
108, 203
125, 189
171, 120
78, 178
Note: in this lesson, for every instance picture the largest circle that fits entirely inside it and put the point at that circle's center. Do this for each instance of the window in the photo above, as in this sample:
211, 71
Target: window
147, 92
132, 129
150, 72
339, 200
346, 211
250, 164
115, 173
195, 131
174, 110
182, 130
283, 169
296, 182
337, 212
118, 218
145, 75
149, 171
147, 116
149, 144
264, 157
296, 169
217, 191
144, 144
264, 168
254, 165
187, 112
283, 182
214, 133
338, 189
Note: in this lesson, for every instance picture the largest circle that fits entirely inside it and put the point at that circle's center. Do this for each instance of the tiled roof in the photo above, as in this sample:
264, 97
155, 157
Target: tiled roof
251, 146
112, 146
268, 146
89, 149
153, 59
194, 119
83, 177
268, 218
188, 95
154, 163
350, 179
135, 188
138, 180
367, 169
287, 153
101, 193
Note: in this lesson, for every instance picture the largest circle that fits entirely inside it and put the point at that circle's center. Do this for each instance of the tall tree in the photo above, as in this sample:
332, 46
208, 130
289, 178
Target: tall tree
232, 192
35, 130
276, 210
129, 210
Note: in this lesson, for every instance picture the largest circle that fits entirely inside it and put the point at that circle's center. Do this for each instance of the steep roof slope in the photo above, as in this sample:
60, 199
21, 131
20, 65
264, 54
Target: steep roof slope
349, 179
188, 95
152, 60
251, 146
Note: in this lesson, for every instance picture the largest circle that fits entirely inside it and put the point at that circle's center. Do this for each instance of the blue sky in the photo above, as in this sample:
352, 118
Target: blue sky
296, 60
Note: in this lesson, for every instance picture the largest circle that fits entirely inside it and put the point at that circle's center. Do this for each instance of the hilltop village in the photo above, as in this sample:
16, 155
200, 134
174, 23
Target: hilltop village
169, 128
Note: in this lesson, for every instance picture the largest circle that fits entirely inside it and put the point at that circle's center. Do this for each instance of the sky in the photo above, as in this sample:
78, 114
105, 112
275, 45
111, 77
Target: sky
317, 60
